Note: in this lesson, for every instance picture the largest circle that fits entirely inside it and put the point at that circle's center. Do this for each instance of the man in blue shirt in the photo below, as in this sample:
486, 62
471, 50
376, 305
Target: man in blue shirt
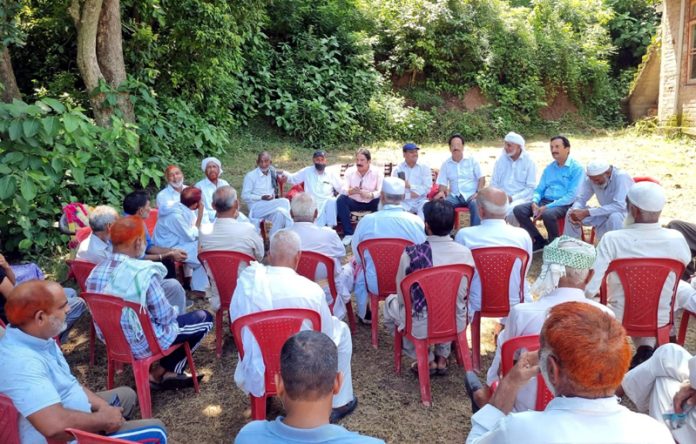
554, 194
308, 379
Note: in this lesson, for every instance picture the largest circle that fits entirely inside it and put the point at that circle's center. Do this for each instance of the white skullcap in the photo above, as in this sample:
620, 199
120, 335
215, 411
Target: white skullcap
394, 186
513, 137
564, 251
647, 196
597, 167
214, 160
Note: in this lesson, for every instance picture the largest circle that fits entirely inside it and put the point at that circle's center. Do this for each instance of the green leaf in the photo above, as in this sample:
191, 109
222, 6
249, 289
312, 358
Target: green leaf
28, 189
25, 244
31, 127
4, 169
15, 130
8, 187
57, 164
72, 122
55, 104
14, 157
79, 175
50, 125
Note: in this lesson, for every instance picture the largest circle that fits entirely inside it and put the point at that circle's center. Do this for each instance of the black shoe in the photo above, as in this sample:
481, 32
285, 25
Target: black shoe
341, 412
472, 385
367, 320
539, 244
643, 353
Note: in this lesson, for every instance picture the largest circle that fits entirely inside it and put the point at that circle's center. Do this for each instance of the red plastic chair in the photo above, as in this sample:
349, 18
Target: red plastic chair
642, 280
151, 221
385, 254
80, 271
9, 421
83, 437
307, 267
271, 329
494, 266
683, 326
440, 286
82, 234
531, 343
106, 311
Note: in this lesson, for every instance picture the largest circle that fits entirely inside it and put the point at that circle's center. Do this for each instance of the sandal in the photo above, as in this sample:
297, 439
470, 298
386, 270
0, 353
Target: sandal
414, 369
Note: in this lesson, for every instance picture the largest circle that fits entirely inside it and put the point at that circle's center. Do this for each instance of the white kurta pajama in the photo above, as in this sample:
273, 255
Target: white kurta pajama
322, 187
517, 178
262, 288
420, 180
93, 249
277, 211
207, 189
167, 198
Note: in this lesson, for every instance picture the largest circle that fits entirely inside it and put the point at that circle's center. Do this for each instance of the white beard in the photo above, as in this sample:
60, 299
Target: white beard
178, 184
58, 326
544, 370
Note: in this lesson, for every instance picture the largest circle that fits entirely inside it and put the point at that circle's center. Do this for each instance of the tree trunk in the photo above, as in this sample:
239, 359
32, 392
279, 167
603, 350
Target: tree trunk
7, 78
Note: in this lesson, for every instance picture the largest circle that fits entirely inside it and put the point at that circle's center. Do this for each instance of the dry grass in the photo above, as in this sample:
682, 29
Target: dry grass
389, 404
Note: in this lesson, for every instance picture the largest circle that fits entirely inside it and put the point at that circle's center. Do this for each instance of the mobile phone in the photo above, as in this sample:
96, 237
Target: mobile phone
401, 175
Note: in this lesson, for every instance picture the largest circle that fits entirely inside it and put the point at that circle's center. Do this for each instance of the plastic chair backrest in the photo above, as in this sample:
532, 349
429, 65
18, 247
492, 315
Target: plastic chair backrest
271, 328
82, 234
307, 267
106, 311
645, 179
530, 343
642, 280
494, 266
224, 267
151, 221
440, 285
386, 255
83, 437
81, 271
9, 421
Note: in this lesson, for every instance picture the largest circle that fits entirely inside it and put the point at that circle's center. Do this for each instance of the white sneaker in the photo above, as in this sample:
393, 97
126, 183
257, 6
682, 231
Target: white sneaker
347, 239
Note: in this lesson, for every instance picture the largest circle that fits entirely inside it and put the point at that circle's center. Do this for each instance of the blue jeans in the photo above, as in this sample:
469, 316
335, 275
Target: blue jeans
458, 201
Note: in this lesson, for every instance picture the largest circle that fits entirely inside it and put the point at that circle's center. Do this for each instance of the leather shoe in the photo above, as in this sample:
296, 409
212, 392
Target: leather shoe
341, 412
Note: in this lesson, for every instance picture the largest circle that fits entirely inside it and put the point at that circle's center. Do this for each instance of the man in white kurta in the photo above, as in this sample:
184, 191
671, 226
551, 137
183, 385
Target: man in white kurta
212, 168
97, 247
392, 221
418, 179
258, 193
643, 238
610, 185
171, 194
322, 184
494, 232
261, 288
658, 384
515, 173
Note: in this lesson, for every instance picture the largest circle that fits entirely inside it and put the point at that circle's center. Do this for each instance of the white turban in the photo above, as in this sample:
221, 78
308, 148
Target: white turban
214, 160
597, 167
515, 138
564, 251
647, 196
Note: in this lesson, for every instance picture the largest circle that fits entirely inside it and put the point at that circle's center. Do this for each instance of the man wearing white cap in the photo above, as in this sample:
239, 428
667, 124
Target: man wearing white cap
610, 185
212, 168
515, 173
417, 177
642, 237
258, 192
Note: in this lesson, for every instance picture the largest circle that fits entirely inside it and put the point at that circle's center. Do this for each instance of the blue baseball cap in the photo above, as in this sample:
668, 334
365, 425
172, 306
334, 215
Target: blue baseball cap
410, 147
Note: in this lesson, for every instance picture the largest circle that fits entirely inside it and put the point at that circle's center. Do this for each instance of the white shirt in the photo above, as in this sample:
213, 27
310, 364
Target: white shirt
635, 241
461, 177
568, 420
232, 235
167, 198
322, 240
612, 198
177, 229
207, 189
496, 233
419, 178
320, 185
516, 177
257, 184
93, 249
392, 221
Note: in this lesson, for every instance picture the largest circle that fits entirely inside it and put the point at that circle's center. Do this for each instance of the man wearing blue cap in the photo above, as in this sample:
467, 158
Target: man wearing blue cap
417, 177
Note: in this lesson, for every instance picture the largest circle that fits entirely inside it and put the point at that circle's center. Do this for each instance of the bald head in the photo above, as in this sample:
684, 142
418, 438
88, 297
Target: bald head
285, 249
38, 308
225, 201
494, 203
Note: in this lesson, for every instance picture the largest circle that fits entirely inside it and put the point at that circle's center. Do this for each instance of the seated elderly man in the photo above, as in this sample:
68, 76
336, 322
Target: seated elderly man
494, 232
583, 357
392, 221
259, 191
212, 168
261, 288
170, 195
688, 230
229, 234
664, 386
610, 185
438, 249
417, 177
97, 246
308, 380
642, 237
124, 276
321, 185
42, 387
515, 173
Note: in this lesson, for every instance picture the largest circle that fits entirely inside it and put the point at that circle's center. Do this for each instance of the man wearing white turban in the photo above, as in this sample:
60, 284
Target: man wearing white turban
212, 168
515, 173
610, 185
642, 237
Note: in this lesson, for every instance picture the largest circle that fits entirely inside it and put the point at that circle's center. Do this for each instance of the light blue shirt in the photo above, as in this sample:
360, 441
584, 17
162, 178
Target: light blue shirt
461, 177
35, 375
270, 432
559, 183
611, 197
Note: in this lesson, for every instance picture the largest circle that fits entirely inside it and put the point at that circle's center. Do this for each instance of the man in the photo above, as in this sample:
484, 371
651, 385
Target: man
308, 379
418, 179
229, 234
514, 173
178, 228
322, 185
554, 194
170, 195
39, 382
258, 192
610, 185
122, 275
362, 184
212, 168
322, 240
261, 288
438, 249
392, 221
460, 179
642, 237
583, 356
688, 230
494, 232
97, 246
664, 387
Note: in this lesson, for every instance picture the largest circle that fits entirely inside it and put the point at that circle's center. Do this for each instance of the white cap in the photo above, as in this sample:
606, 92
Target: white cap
515, 138
208, 160
597, 167
647, 196
394, 186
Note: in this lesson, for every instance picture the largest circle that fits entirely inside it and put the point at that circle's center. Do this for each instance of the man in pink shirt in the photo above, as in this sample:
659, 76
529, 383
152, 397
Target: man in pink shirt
362, 185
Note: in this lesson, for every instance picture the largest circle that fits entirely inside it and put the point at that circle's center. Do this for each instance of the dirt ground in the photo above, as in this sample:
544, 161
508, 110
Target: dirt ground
389, 404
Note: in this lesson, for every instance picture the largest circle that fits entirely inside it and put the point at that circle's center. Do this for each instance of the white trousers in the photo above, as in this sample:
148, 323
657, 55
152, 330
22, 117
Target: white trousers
686, 297
510, 217
327, 213
277, 211
344, 342
603, 224
175, 294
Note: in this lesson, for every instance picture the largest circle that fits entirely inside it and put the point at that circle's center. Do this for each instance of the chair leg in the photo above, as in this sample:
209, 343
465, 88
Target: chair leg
110, 370
351, 317
374, 307
218, 332
398, 342
476, 341
141, 372
258, 407
92, 344
462, 347
192, 366
423, 372
683, 325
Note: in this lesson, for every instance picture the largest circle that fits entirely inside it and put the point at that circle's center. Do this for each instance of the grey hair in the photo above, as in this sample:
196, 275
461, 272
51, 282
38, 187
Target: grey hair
492, 209
393, 198
577, 275
102, 216
285, 244
224, 198
308, 365
303, 207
